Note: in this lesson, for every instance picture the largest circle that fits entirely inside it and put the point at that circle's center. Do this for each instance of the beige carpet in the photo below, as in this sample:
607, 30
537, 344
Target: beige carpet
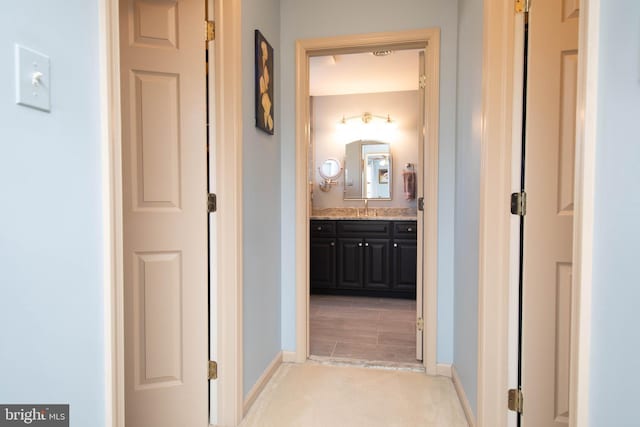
317, 395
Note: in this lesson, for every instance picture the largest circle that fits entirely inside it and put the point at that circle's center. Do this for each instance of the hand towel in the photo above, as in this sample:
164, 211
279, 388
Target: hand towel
409, 181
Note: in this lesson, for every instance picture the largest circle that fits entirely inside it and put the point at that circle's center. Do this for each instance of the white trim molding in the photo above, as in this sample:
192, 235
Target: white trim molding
428, 39
444, 369
462, 397
109, 39
228, 170
494, 233
586, 134
288, 357
257, 388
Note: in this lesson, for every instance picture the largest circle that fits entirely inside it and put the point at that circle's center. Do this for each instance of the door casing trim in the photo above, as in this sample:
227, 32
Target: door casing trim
228, 171
501, 57
415, 39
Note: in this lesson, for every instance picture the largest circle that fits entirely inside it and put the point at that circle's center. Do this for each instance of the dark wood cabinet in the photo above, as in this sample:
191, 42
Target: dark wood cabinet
405, 257
322, 268
355, 257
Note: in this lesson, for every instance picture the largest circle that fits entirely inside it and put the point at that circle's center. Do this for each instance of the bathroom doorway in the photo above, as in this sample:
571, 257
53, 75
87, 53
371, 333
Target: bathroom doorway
366, 121
427, 40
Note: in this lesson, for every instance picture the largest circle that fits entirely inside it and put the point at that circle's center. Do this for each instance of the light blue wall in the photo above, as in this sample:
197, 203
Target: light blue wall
468, 194
311, 18
51, 276
615, 365
261, 189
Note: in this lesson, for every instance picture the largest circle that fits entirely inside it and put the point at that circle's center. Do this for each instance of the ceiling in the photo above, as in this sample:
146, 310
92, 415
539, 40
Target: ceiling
363, 73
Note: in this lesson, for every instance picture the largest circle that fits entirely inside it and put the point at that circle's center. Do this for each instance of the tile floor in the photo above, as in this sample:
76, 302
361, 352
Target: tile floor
363, 328
319, 395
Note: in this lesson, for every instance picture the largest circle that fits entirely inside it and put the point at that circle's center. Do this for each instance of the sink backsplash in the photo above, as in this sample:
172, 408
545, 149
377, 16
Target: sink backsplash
359, 212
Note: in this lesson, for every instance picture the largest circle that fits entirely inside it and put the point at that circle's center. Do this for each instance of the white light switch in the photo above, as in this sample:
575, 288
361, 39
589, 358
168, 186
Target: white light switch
33, 84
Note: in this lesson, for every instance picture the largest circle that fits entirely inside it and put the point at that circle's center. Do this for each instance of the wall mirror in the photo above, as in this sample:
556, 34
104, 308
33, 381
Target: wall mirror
367, 171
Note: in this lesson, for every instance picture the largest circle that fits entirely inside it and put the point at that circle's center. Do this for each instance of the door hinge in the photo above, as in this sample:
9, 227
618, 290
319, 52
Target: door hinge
213, 370
420, 324
519, 203
422, 82
420, 203
522, 6
209, 31
515, 400
212, 203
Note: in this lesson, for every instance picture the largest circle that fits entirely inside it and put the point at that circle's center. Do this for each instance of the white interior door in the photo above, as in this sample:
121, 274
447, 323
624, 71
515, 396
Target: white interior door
549, 170
165, 216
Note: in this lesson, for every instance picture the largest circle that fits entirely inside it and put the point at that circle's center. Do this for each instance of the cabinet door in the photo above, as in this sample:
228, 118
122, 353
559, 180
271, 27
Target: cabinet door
405, 256
322, 260
377, 262
350, 263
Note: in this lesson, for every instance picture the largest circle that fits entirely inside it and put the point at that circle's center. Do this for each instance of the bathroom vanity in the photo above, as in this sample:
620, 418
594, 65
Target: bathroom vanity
368, 257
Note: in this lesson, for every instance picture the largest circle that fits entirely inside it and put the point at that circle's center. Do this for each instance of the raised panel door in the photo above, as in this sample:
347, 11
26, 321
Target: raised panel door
350, 263
322, 263
405, 257
377, 265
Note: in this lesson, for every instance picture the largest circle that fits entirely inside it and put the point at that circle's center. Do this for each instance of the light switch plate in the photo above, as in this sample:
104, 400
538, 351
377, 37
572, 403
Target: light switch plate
33, 82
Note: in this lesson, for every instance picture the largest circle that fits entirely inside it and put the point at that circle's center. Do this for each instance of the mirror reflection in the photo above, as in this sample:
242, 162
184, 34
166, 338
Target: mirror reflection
367, 170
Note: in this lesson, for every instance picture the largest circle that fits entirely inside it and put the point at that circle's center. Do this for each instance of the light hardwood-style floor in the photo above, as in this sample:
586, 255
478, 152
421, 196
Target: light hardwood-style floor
320, 395
363, 328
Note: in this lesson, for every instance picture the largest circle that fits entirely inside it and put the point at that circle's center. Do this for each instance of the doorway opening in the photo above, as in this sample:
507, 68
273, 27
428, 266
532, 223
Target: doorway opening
364, 158
362, 246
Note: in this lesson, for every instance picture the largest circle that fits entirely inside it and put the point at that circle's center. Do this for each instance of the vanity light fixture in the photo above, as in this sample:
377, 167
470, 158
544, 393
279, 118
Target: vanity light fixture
367, 118
366, 126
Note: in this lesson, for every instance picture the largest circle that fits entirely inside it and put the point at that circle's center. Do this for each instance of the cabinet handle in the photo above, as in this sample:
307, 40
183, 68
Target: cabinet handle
395, 245
333, 243
366, 244
319, 228
409, 229
360, 244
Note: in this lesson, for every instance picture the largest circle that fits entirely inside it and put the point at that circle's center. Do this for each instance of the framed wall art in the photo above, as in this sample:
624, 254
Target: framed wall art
264, 84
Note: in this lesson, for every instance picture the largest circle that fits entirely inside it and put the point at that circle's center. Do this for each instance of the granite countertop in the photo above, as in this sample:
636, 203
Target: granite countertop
365, 218
380, 214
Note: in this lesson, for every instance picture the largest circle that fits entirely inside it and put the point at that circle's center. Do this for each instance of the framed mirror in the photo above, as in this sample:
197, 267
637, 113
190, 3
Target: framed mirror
367, 171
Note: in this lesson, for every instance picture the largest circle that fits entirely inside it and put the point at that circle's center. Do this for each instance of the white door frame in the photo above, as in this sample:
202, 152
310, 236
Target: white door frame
417, 39
500, 139
228, 177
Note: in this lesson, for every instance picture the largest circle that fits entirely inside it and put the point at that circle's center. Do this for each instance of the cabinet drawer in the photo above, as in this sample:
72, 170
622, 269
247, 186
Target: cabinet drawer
364, 228
405, 229
323, 228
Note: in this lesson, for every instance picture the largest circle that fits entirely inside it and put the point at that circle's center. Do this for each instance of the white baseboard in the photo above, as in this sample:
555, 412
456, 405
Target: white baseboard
462, 396
289, 356
262, 381
443, 369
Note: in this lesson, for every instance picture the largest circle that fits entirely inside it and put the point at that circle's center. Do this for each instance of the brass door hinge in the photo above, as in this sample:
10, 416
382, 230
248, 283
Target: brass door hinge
515, 400
212, 203
522, 6
422, 82
420, 203
519, 203
209, 31
213, 370
420, 324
